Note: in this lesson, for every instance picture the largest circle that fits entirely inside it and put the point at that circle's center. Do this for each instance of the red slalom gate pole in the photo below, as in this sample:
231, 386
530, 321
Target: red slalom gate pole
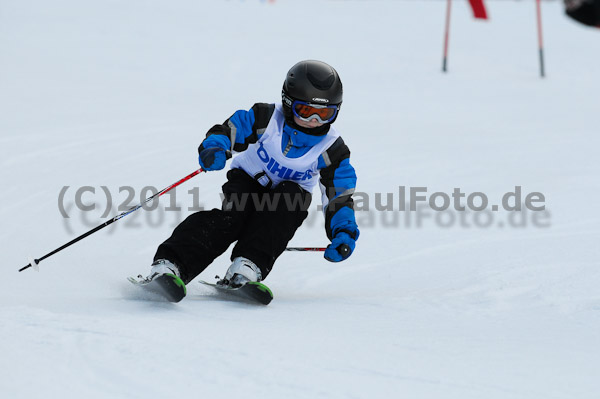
540, 37
447, 36
34, 262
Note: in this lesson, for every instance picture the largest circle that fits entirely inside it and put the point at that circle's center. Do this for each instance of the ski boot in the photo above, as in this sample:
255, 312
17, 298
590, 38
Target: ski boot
241, 272
164, 280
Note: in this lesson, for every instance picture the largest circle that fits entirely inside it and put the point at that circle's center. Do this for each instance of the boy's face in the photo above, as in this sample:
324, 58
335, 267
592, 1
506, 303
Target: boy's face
309, 125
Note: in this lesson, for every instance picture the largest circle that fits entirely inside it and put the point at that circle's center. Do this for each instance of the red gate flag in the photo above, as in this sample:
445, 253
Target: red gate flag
478, 9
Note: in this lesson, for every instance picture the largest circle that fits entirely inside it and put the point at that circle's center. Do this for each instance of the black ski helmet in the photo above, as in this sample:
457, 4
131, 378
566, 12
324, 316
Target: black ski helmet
313, 82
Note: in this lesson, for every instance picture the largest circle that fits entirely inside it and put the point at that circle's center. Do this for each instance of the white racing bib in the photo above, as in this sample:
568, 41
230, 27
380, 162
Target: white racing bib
264, 160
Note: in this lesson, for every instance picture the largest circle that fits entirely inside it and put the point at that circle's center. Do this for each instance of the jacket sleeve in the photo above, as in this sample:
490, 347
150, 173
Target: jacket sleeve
338, 182
240, 130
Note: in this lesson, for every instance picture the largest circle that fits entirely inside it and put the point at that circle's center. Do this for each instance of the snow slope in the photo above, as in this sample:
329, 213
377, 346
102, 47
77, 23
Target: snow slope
120, 94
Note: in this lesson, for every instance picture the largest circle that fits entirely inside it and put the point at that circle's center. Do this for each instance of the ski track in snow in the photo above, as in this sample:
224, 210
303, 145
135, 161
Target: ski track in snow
106, 94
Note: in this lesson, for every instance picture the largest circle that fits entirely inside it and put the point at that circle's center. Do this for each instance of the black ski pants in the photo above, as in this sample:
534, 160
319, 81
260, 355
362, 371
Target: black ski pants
261, 220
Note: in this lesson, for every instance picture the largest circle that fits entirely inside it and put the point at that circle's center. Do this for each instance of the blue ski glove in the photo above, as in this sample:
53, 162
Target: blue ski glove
214, 151
341, 247
212, 158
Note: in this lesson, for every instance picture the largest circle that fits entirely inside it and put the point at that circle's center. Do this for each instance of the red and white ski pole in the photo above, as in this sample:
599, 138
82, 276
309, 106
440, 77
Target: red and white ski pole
34, 262
343, 249
307, 249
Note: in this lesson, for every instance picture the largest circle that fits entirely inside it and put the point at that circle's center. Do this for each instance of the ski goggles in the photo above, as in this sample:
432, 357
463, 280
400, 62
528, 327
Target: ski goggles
308, 111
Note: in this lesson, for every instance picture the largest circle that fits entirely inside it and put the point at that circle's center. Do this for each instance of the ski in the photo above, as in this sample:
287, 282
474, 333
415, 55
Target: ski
167, 287
252, 291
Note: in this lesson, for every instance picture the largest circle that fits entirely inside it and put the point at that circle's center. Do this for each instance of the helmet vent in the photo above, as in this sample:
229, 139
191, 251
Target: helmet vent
321, 82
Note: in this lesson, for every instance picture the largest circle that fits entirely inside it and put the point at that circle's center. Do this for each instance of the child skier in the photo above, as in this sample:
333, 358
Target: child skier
268, 190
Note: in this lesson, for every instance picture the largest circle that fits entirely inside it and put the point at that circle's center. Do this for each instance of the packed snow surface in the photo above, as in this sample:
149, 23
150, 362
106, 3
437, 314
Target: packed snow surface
115, 94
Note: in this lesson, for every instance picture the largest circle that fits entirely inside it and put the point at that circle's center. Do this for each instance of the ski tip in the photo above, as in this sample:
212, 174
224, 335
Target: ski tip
258, 292
262, 287
168, 287
178, 282
254, 292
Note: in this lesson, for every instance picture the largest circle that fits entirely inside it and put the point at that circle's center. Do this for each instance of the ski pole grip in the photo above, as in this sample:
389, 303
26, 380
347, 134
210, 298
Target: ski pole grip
344, 250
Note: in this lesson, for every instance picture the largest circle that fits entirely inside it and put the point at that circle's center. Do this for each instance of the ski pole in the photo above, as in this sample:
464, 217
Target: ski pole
343, 249
34, 262
307, 249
